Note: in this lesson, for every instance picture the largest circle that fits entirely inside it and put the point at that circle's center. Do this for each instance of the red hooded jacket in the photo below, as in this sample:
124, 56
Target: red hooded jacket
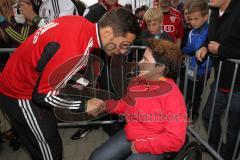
156, 116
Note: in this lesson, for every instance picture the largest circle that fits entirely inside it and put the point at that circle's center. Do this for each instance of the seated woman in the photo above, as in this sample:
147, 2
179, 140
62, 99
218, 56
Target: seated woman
153, 107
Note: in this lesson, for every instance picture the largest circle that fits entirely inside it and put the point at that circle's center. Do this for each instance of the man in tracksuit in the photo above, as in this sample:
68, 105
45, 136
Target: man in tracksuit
31, 81
223, 41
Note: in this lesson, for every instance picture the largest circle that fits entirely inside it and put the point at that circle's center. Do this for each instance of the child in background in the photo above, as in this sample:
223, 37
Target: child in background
172, 21
153, 107
187, 25
198, 17
154, 20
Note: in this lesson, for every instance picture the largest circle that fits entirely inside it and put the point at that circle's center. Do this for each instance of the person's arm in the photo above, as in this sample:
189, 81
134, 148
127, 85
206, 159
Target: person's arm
17, 33
178, 42
200, 40
229, 52
173, 137
180, 33
116, 106
229, 48
52, 72
195, 42
31, 16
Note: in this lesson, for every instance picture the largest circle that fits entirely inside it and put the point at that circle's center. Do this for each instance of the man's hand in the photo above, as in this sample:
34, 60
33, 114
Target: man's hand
27, 10
95, 106
201, 53
213, 47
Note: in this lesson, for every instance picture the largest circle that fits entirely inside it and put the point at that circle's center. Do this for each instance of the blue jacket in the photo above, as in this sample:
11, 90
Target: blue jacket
196, 38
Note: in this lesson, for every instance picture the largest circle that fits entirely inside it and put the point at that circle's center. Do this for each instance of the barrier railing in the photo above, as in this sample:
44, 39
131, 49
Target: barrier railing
216, 151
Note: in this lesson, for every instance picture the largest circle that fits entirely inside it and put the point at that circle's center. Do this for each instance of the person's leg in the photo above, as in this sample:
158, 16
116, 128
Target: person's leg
233, 128
197, 99
189, 95
232, 135
145, 157
116, 147
36, 127
4, 124
220, 105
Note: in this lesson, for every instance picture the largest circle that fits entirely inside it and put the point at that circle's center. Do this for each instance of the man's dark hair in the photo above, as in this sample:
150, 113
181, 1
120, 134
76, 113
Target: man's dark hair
139, 10
128, 6
121, 20
144, 7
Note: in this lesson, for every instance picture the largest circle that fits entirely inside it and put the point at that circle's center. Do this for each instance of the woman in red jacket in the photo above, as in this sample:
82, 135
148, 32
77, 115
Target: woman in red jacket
153, 107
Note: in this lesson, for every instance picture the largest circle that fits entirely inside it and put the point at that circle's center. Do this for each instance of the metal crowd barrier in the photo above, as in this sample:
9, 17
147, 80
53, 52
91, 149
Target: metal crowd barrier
196, 131
193, 130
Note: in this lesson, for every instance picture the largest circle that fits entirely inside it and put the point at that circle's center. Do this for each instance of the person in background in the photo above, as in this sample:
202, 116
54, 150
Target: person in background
151, 97
178, 5
129, 6
41, 13
145, 7
223, 42
139, 12
187, 24
81, 7
97, 10
198, 17
14, 28
172, 21
154, 20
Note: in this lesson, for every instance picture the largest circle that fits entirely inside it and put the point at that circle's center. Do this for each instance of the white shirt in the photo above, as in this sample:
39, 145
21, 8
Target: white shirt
52, 9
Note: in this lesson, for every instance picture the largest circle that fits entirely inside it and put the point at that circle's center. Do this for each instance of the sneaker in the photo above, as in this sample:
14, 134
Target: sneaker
81, 132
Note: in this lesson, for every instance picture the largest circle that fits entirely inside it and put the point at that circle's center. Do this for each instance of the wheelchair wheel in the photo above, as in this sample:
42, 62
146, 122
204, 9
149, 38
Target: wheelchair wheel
191, 151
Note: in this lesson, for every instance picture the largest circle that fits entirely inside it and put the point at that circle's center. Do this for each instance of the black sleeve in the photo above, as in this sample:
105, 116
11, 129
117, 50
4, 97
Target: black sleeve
54, 98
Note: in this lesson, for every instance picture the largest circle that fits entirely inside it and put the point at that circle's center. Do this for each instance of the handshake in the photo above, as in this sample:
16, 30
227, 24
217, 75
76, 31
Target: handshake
95, 106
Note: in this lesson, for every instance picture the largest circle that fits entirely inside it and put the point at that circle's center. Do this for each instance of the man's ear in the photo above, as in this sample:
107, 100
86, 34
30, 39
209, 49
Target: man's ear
107, 33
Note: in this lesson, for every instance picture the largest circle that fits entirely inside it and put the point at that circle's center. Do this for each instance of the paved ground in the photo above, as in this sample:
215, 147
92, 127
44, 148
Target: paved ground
73, 149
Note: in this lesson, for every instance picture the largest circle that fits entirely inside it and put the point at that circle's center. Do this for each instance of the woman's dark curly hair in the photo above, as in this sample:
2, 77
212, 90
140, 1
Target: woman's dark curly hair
166, 53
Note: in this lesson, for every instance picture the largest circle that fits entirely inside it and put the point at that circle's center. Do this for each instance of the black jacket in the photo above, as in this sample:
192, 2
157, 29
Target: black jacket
95, 12
226, 31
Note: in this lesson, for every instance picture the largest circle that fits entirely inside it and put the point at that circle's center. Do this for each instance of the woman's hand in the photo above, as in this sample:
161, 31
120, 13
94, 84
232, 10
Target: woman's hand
133, 149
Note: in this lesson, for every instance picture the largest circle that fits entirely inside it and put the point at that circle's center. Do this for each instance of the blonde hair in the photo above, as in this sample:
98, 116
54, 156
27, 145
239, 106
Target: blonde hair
153, 14
6, 11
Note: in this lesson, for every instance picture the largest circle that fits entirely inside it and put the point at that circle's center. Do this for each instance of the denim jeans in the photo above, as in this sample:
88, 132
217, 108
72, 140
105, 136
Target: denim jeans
118, 147
216, 128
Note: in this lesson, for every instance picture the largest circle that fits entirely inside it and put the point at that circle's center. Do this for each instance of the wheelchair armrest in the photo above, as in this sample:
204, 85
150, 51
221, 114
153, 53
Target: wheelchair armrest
170, 155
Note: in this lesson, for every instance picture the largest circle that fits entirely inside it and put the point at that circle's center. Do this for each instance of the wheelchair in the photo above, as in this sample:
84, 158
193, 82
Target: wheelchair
190, 151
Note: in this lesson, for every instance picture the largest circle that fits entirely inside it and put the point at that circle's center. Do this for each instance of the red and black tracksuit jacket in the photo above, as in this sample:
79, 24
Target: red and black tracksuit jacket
43, 64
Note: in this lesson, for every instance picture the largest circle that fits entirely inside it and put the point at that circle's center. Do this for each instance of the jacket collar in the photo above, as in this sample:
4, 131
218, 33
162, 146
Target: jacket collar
97, 39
